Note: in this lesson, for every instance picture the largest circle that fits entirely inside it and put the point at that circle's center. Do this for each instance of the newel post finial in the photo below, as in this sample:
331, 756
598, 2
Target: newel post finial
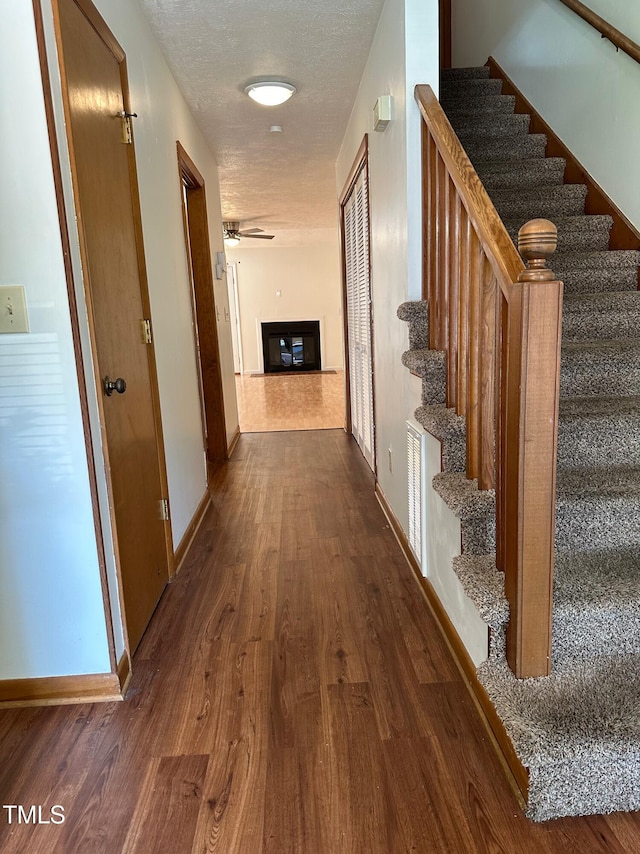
537, 241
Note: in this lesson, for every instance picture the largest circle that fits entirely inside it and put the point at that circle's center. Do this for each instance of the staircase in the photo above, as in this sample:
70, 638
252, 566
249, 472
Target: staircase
577, 731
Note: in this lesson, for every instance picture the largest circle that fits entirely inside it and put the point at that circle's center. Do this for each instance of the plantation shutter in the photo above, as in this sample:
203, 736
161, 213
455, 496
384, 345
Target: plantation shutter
358, 287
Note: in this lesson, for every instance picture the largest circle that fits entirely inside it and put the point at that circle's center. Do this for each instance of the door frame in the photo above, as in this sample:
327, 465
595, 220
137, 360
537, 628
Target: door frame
444, 16
203, 302
360, 164
104, 32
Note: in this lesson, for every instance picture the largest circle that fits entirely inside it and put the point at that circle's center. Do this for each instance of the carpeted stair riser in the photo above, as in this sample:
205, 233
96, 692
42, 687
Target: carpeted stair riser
597, 272
605, 315
475, 71
484, 128
597, 431
564, 201
601, 590
539, 172
513, 148
600, 367
470, 88
587, 521
459, 108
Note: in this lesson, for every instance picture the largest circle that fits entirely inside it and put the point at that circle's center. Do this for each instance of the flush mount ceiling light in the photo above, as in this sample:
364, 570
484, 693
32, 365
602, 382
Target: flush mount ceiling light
270, 93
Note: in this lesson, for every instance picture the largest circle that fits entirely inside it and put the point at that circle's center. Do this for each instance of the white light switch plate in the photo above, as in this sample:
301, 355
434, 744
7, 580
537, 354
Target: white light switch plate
13, 309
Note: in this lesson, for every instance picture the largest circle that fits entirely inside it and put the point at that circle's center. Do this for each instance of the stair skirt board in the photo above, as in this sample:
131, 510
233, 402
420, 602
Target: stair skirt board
577, 732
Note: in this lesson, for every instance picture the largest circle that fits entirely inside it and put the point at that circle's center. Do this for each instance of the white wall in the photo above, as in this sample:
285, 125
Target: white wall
308, 279
52, 620
404, 52
582, 87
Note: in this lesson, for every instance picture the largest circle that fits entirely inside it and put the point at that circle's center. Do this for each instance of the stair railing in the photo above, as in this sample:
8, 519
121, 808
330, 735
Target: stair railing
606, 30
499, 324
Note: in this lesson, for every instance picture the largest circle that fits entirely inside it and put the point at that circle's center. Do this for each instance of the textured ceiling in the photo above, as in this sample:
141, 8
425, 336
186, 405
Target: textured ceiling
273, 181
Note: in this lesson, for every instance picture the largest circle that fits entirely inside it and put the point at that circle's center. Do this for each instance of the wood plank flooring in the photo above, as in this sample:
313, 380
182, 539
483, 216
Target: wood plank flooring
292, 694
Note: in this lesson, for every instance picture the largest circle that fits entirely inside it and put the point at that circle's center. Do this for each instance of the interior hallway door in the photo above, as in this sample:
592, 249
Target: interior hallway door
103, 165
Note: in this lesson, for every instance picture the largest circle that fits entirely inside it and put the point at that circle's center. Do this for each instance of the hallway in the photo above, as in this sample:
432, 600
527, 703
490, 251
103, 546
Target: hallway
292, 694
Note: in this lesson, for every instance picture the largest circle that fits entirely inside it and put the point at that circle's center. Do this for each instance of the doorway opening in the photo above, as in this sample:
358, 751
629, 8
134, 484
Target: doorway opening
205, 329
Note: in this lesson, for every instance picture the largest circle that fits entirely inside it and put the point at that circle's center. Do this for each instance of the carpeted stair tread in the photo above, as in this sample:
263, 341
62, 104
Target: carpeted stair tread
576, 731
611, 314
443, 423
562, 201
475, 508
483, 583
600, 367
541, 171
512, 148
598, 431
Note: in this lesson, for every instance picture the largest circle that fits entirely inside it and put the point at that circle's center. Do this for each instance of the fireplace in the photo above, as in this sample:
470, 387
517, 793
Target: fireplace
291, 345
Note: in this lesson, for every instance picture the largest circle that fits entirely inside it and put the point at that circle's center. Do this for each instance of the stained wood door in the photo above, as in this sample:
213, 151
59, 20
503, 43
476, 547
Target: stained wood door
94, 87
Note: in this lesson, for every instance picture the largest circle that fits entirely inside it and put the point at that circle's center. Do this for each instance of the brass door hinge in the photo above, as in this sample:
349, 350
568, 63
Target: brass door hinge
147, 337
164, 509
127, 135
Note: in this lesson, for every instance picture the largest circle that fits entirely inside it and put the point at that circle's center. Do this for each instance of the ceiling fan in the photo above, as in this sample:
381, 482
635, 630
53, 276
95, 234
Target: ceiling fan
232, 233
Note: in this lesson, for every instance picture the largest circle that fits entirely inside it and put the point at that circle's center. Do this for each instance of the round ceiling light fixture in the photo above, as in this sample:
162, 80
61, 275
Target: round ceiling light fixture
270, 93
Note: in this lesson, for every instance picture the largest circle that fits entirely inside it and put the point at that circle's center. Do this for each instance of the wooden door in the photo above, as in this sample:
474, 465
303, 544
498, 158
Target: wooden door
103, 166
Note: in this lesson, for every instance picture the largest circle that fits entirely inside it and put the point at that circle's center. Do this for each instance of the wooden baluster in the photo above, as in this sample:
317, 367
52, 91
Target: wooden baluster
486, 376
455, 208
464, 254
502, 344
476, 256
532, 431
430, 224
444, 184
434, 306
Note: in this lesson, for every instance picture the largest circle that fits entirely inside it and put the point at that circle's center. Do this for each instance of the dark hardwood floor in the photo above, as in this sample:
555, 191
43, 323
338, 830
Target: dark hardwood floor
292, 694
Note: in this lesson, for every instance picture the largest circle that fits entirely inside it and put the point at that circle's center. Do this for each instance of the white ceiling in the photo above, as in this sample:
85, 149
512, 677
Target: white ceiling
271, 181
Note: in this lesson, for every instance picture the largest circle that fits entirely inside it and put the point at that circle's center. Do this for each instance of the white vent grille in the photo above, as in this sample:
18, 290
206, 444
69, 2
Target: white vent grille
415, 474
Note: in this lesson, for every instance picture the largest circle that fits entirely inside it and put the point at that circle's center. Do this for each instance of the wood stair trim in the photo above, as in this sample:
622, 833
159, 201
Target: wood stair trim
624, 234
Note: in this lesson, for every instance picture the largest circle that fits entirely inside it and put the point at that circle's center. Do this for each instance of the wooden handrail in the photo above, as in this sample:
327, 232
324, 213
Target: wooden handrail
608, 31
504, 258
499, 325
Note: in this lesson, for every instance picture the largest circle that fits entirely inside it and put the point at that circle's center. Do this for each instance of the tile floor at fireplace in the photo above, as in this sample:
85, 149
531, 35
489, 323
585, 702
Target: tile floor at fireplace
313, 401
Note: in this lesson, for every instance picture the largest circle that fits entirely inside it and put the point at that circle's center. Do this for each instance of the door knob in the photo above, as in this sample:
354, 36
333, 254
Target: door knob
110, 386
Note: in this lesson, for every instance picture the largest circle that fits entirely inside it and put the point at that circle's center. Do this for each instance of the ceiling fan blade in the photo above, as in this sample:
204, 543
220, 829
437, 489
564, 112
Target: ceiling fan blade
252, 231
258, 236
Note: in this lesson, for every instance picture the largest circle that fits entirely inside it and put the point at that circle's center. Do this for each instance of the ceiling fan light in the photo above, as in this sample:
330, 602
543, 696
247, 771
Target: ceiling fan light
270, 93
231, 240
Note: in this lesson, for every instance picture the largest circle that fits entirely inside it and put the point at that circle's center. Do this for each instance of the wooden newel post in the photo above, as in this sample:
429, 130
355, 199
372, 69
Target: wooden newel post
530, 433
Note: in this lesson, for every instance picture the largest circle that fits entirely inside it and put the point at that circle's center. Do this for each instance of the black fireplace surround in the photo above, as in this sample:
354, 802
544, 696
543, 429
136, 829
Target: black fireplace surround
291, 345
